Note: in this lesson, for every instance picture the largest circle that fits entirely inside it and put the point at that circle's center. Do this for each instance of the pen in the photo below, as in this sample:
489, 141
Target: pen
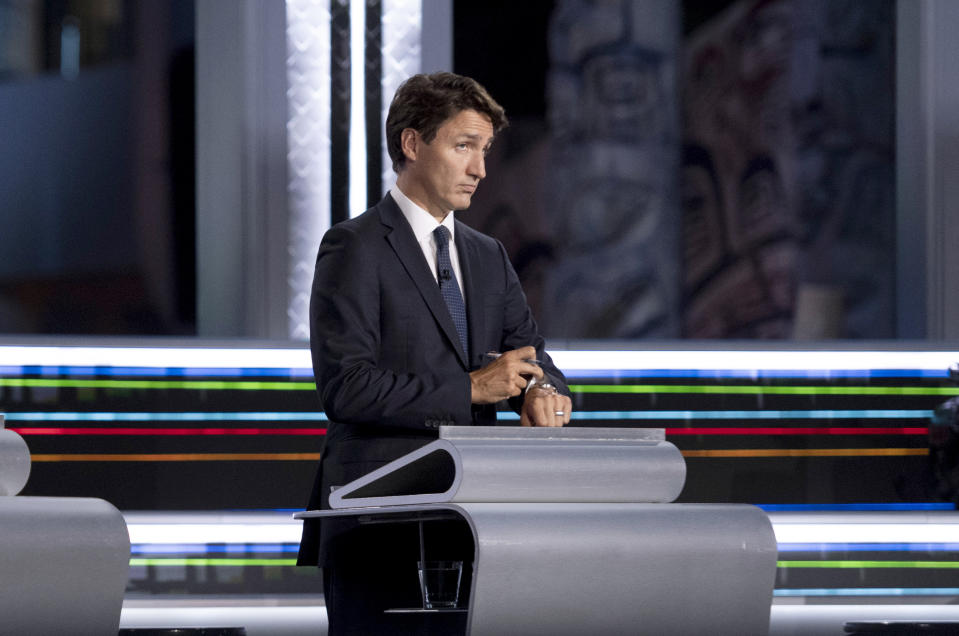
497, 354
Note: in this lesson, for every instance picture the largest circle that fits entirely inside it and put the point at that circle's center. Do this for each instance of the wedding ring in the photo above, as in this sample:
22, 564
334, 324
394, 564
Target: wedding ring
560, 413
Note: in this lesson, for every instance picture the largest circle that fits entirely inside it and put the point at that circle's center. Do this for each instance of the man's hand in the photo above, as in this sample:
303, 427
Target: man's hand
505, 377
544, 406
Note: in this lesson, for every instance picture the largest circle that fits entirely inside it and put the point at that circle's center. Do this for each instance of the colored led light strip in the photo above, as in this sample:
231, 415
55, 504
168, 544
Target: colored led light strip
751, 360
191, 385
154, 372
869, 564
868, 547
897, 530
583, 360
200, 548
277, 528
620, 374
868, 591
857, 507
819, 414
753, 374
322, 431
807, 452
175, 457
179, 530
202, 562
317, 416
184, 416
161, 357
168, 431
761, 390
805, 430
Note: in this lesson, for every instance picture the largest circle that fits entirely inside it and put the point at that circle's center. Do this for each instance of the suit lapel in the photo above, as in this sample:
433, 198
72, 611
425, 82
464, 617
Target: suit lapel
471, 268
401, 239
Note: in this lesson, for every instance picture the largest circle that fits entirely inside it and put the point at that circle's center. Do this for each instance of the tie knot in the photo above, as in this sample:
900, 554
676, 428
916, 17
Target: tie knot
442, 236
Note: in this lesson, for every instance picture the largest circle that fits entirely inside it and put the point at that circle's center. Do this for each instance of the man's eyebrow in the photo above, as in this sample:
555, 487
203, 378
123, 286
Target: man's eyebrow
470, 136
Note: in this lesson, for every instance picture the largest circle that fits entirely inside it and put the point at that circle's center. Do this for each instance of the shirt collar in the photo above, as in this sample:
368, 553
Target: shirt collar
419, 219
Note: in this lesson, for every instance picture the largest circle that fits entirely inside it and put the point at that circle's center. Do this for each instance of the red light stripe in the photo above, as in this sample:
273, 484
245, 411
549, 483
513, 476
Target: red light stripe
168, 431
786, 430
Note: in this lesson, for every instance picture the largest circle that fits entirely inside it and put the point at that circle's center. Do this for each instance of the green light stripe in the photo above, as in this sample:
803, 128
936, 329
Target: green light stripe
196, 385
204, 562
766, 390
868, 564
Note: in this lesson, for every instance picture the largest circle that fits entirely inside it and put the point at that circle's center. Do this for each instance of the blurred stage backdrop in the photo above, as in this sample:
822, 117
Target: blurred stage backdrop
704, 170
696, 169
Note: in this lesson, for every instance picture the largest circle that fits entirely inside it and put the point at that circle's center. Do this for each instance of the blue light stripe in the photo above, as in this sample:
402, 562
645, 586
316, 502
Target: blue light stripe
101, 416
720, 374
316, 416
869, 591
869, 547
303, 372
873, 507
202, 548
157, 372
824, 414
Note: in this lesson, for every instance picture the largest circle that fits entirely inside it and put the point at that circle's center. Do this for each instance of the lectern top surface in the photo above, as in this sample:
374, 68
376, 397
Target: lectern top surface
566, 433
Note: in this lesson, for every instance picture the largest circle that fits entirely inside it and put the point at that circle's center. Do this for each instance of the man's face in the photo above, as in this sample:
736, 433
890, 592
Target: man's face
444, 173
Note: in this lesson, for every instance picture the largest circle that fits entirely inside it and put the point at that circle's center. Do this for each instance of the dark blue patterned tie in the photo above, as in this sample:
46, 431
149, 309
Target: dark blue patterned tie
448, 286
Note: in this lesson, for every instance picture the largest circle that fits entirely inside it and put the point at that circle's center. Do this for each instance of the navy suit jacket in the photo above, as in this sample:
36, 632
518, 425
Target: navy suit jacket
386, 355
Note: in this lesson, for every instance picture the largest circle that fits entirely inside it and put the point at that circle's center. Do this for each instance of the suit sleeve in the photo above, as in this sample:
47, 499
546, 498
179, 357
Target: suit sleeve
345, 341
520, 330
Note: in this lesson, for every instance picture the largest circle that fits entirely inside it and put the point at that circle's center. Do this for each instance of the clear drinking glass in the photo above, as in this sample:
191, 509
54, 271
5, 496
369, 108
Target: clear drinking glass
440, 583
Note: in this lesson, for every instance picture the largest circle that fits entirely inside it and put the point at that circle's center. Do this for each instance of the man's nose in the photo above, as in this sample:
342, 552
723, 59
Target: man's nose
477, 167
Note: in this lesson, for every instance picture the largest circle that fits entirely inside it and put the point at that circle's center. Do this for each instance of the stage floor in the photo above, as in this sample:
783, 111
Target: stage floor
306, 615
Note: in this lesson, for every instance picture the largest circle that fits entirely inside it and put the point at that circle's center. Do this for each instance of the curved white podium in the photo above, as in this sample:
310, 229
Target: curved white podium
64, 561
573, 534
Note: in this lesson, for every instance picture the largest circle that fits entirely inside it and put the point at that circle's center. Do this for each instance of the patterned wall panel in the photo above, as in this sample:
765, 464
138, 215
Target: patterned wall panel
402, 28
308, 72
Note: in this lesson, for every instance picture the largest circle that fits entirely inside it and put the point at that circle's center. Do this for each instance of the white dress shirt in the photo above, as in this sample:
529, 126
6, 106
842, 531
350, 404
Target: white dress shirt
423, 225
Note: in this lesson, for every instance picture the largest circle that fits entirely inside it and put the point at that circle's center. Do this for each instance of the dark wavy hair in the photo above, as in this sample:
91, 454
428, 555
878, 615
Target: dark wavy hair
423, 102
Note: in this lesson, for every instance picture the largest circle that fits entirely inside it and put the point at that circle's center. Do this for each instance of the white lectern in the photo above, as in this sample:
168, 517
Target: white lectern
573, 532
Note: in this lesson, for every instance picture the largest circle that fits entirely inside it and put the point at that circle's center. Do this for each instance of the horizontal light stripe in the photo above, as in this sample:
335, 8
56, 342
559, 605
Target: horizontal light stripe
762, 390
750, 360
157, 372
174, 533
940, 531
868, 547
316, 416
869, 414
726, 454
859, 507
299, 358
619, 374
245, 527
202, 548
322, 431
805, 430
808, 452
868, 591
168, 431
202, 562
175, 457
190, 385
174, 356
186, 416
868, 565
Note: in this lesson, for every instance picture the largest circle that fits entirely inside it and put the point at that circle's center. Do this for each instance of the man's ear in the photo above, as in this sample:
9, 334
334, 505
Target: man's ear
409, 143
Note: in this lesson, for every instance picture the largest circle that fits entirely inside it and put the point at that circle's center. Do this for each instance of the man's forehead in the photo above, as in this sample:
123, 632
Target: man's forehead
469, 123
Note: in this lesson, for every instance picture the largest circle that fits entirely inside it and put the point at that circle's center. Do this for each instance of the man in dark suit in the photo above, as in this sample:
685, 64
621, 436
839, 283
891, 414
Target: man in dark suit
406, 304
